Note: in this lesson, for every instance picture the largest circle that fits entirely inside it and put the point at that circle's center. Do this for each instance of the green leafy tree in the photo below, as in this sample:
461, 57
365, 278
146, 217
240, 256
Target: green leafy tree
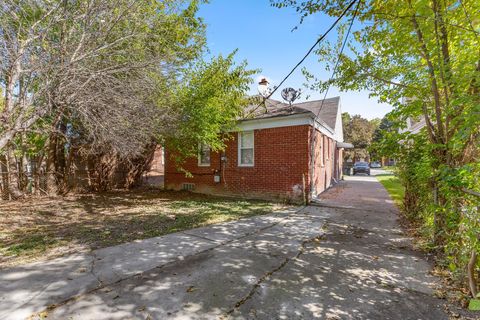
422, 57
211, 99
385, 126
358, 131
104, 69
93, 63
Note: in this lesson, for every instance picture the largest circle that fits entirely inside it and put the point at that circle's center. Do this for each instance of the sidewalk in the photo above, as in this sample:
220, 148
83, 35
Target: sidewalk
31, 288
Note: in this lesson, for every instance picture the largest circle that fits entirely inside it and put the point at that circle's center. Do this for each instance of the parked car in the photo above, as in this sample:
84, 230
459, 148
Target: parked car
361, 167
375, 164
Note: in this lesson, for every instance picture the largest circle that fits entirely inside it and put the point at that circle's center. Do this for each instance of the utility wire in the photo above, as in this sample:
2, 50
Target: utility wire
313, 135
338, 59
308, 53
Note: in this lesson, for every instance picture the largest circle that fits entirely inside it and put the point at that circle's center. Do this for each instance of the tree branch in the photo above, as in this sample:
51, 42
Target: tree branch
434, 86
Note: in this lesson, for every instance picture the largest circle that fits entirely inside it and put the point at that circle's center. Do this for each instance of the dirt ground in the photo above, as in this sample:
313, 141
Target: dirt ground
43, 228
346, 257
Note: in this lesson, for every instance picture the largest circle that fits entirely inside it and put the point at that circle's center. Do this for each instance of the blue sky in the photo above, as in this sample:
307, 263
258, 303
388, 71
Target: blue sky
263, 36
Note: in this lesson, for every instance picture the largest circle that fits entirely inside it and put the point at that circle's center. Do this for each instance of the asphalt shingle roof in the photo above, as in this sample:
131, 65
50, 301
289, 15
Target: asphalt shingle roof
274, 108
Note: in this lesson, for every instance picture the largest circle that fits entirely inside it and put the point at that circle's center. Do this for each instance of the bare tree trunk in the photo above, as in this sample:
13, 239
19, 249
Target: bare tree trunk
51, 182
60, 161
4, 179
137, 167
68, 169
472, 282
13, 175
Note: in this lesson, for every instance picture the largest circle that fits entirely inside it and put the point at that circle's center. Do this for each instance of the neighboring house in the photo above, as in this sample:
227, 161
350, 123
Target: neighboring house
414, 125
270, 155
154, 175
158, 161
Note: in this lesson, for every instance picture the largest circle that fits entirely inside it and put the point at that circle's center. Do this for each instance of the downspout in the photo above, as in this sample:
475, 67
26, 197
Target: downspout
312, 161
223, 163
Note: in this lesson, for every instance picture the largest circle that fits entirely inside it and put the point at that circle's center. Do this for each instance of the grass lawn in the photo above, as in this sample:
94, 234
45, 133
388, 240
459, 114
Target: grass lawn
389, 168
393, 186
45, 228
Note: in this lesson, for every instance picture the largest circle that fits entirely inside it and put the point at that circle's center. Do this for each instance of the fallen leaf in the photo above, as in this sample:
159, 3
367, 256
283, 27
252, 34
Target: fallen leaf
191, 289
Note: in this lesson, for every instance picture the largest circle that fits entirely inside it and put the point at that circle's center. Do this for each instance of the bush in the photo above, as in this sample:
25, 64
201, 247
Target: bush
440, 200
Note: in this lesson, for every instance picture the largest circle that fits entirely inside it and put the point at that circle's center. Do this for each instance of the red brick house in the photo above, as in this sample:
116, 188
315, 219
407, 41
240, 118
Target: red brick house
271, 155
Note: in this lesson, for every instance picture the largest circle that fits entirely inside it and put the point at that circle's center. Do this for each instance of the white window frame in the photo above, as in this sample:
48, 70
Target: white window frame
240, 164
199, 156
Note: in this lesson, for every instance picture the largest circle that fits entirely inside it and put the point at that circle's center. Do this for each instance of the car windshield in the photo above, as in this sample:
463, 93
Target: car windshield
361, 164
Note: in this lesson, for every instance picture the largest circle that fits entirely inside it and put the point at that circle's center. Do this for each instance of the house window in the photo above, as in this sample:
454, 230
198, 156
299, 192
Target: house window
245, 149
203, 155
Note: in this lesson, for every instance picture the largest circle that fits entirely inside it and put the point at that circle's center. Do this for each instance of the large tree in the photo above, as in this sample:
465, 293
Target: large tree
94, 62
358, 131
210, 100
427, 51
423, 57
385, 126
108, 79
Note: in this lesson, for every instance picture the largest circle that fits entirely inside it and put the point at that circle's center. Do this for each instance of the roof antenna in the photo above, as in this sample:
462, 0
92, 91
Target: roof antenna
265, 91
290, 95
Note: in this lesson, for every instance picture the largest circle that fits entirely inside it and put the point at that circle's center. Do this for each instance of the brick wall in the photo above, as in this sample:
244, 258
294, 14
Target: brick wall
156, 166
324, 162
281, 160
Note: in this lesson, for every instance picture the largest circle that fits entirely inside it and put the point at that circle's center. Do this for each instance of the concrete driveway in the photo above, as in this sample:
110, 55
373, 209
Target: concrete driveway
343, 258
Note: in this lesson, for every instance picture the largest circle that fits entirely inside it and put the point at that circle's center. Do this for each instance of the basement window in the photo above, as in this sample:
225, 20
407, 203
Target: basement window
188, 186
246, 149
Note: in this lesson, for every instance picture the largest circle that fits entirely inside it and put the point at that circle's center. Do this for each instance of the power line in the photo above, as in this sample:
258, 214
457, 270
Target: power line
338, 59
313, 135
308, 52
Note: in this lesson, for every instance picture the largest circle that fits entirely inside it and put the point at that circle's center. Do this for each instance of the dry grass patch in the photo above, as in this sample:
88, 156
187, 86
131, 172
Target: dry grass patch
45, 228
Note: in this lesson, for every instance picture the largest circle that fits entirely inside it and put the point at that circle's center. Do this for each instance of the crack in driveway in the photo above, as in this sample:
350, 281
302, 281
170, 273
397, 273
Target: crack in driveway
103, 284
268, 274
352, 273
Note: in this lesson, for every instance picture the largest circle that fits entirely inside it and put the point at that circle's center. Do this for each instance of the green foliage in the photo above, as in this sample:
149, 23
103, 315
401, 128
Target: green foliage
2, 102
358, 131
95, 64
210, 101
474, 305
433, 190
113, 218
422, 57
107, 79
34, 243
384, 127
